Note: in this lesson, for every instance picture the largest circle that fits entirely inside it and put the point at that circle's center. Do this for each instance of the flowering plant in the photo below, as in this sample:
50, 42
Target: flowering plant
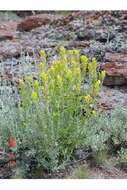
60, 104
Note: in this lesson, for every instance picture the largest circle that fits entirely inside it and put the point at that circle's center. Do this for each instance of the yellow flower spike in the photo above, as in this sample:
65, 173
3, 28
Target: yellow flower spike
88, 99
102, 75
52, 71
97, 86
34, 96
76, 52
44, 77
77, 72
68, 74
64, 61
92, 70
54, 64
43, 66
59, 80
74, 63
36, 85
94, 64
59, 66
83, 59
94, 113
98, 82
70, 55
70, 52
62, 51
94, 61
42, 54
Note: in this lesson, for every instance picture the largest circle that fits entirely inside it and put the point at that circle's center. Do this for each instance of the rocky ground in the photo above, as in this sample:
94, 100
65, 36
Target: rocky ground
102, 34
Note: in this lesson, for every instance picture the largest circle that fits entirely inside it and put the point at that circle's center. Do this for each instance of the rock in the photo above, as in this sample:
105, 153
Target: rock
116, 74
116, 69
8, 31
4, 35
35, 21
116, 57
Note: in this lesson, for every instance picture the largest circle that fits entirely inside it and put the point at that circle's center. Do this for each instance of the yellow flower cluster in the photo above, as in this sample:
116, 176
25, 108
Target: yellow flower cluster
44, 77
97, 87
84, 61
102, 75
62, 52
94, 113
36, 85
52, 72
88, 99
59, 80
42, 54
34, 96
65, 77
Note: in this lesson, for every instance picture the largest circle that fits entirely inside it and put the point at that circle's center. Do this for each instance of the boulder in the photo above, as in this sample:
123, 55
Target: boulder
115, 66
34, 21
116, 74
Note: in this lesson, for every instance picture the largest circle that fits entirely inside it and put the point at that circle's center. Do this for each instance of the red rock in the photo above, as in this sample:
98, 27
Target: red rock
116, 74
116, 57
116, 69
35, 21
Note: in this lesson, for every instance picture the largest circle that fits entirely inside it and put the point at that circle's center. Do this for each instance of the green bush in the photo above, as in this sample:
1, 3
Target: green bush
55, 106
108, 133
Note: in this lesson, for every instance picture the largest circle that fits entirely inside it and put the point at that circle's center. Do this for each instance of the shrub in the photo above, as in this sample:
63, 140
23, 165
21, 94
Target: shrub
108, 133
55, 106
